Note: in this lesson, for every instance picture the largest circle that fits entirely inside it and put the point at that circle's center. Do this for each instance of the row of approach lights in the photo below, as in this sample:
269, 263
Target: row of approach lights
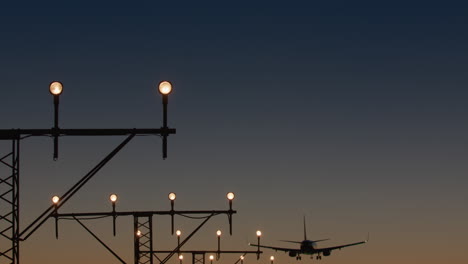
172, 196
218, 234
181, 258
56, 89
272, 258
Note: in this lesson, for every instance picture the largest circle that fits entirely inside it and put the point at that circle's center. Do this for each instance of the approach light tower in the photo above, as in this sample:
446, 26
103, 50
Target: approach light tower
10, 233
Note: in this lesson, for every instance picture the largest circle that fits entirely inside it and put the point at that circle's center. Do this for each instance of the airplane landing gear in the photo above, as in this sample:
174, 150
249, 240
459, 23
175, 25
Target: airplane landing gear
319, 257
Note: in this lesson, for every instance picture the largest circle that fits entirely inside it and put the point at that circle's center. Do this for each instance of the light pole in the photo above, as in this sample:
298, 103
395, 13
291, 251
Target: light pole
272, 258
178, 233
56, 88
181, 257
165, 89
242, 259
113, 199
211, 259
55, 201
218, 233
230, 196
172, 196
259, 234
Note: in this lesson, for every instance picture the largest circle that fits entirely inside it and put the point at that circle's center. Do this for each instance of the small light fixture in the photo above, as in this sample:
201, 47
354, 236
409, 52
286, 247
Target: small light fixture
55, 88
55, 199
113, 198
172, 196
230, 196
165, 87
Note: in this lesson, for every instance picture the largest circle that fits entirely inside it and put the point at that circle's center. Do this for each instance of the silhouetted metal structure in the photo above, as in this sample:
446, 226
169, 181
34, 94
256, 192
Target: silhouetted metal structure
143, 230
199, 256
144, 252
10, 234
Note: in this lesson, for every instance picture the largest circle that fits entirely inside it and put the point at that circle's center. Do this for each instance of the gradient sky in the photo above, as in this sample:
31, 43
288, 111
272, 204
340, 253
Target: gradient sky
352, 113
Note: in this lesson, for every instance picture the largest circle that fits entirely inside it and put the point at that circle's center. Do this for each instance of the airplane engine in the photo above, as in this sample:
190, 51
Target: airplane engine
327, 253
292, 254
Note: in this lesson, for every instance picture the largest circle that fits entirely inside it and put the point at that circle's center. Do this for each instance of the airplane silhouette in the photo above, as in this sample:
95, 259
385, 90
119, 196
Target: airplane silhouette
309, 247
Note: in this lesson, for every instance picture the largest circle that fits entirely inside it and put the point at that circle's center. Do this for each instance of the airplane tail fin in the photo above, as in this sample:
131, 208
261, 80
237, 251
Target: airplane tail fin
305, 235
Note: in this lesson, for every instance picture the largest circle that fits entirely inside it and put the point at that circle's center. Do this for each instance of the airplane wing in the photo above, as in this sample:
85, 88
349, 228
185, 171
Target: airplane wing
328, 249
277, 248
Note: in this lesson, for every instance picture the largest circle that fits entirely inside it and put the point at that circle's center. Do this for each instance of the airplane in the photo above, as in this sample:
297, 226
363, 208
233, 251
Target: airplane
309, 247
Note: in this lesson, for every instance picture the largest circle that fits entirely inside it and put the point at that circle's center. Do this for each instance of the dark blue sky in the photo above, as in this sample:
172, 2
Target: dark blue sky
353, 113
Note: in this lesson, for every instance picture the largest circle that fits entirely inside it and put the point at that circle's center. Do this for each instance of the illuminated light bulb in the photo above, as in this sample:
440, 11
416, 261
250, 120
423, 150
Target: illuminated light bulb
56, 88
178, 233
211, 257
218, 233
259, 233
55, 199
181, 257
172, 196
242, 257
272, 258
138, 233
113, 198
230, 196
165, 87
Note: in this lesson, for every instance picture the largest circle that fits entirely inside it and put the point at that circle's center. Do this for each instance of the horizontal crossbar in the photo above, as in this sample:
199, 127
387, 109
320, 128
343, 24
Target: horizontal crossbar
6, 134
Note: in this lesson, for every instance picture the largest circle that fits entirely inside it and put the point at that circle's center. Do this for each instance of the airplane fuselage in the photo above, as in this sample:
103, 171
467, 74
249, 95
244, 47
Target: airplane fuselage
308, 247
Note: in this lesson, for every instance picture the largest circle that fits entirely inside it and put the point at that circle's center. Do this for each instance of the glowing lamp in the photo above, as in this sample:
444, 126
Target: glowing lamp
211, 257
55, 88
172, 196
259, 233
178, 233
230, 196
138, 233
113, 198
218, 233
55, 199
181, 257
165, 87
272, 258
